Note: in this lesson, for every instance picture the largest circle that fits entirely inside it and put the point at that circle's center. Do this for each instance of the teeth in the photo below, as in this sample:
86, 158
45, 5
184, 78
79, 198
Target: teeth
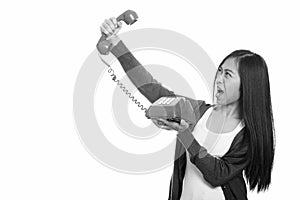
219, 93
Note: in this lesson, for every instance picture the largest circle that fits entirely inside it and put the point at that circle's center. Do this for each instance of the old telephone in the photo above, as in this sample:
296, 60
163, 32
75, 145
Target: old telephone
170, 108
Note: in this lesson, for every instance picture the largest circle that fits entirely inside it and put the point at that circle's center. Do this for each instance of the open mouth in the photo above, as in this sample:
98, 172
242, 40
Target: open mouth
219, 92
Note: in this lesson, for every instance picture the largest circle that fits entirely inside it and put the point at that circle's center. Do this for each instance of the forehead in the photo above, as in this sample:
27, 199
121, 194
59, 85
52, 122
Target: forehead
230, 64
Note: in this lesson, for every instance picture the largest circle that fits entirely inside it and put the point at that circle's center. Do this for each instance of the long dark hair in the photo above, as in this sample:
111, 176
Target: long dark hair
255, 108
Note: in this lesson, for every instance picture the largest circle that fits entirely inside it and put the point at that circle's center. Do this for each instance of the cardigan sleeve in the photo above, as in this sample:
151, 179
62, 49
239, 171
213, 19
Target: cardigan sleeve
139, 76
215, 170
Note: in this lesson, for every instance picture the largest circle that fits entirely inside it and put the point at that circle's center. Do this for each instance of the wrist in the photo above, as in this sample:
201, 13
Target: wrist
114, 40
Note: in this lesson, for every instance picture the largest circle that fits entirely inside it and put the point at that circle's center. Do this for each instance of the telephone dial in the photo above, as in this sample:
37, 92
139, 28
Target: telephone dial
169, 108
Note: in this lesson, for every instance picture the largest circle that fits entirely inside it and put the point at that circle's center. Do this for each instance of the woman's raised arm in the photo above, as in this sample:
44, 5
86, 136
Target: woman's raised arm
139, 76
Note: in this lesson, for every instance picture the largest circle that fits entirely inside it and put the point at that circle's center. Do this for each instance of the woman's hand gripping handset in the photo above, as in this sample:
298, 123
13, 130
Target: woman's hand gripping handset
110, 27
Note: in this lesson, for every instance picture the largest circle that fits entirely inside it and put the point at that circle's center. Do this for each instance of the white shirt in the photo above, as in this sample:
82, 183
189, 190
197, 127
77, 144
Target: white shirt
195, 187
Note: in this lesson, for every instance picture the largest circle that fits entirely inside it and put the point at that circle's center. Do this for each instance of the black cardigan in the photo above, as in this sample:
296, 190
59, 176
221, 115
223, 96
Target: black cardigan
225, 171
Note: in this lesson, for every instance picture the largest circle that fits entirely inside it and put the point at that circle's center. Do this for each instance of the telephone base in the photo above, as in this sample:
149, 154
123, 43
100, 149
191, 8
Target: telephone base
172, 109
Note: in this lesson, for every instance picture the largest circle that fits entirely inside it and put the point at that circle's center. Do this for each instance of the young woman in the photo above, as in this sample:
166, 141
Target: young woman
232, 137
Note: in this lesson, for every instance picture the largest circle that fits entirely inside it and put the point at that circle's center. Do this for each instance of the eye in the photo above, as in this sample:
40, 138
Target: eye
226, 74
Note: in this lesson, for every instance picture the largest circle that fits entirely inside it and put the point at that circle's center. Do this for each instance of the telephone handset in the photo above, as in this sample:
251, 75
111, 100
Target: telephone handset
170, 108
104, 46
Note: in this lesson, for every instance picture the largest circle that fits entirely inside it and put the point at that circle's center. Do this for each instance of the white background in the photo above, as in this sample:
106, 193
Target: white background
43, 45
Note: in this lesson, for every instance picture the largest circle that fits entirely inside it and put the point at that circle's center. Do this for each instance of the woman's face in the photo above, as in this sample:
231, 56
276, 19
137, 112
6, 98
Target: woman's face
227, 83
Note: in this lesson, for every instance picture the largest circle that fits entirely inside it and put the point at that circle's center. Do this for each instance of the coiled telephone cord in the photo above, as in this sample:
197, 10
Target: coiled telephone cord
114, 78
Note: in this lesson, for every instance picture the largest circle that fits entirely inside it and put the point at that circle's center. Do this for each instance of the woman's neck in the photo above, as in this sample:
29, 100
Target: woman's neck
229, 110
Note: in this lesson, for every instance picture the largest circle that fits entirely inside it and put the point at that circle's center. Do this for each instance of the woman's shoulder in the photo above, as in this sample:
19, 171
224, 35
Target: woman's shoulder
240, 143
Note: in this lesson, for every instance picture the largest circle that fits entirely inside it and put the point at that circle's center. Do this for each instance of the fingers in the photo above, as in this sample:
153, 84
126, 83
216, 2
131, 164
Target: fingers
178, 127
173, 125
164, 124
183, 123
160, 124
119, 24
116, 24
165, 127
110, 24
108, 27
103, 30
114, 21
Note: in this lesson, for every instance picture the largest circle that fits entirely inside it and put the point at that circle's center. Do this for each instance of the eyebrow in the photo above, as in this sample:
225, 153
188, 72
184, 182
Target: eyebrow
227, 70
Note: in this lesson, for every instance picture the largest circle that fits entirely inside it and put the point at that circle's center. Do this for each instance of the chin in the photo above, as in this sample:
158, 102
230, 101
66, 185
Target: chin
222, 102
219, 102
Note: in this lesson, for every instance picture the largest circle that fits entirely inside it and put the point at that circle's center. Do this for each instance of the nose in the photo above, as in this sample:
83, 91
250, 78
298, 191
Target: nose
219, 79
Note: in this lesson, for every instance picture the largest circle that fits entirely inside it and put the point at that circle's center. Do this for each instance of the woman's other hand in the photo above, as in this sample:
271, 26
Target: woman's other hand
160, 124
164, 124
